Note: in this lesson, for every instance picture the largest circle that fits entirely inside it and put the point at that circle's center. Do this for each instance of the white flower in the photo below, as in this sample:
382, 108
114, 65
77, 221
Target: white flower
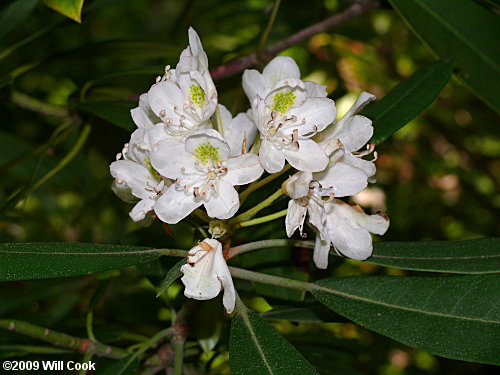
337, 223
143, 116
206, 273
287, 120
186, 98
204, 174
239, 132
279, 69
135, 179
348, 173
349, 231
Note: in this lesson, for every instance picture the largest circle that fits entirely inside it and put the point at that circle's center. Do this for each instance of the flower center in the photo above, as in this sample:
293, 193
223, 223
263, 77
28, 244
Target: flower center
283, 101
206, 152
197, 95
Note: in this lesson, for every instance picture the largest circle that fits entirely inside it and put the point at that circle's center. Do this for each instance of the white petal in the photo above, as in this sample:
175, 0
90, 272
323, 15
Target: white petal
342, 179
294, 217
200, 280
355, 133
363, 99
123, 191
315, 90
164, 96
135, 175
297, 185
222, 272
295, 87
309, 157
140, 210
242, 169
317, 216
197, 47
271, 159
211, 137
225, 205
321, 252
226, 117
154, 135
171, 160
280, 68
349, 229
367, 166
240, 134
254, 84
174, 205
317, 113
141, 118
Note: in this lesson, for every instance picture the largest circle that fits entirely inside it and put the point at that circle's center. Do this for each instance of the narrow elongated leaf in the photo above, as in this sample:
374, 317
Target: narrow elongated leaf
466, 31
408, 99
470, 256
116, 112
452, 316
173, 274
314, 313
14, 13
69, 8
23, 261
257, 348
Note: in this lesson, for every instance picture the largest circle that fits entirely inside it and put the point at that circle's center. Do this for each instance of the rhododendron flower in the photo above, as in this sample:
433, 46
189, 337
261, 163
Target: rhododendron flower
204, 174
206, 274
287, 120
185, 98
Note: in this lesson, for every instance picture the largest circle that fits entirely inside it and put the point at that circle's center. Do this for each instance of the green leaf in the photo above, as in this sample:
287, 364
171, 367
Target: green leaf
452, 316
466, 31
116, 112
470, 256
408, 99
310, 312
125, 366
257, 348
23, 261
69, 8
13, 14
173, 274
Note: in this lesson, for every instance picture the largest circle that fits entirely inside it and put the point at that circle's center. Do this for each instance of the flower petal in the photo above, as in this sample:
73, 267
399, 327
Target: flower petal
242, 169
294, 217
222, 272
239, 132
309, 157
367, 166
315, 90
141, 118
254, 84
140, 210
174, 205
280, 68
321, 252
271, 159
314, 115
225, 204
200, 280
297, 186
171, 160
211, 138
342, 179
355, 133
163, 97
135, 175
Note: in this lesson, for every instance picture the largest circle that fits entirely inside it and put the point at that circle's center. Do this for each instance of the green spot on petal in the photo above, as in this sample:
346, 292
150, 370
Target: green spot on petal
283, 101
205, 152
197, 95
151, 169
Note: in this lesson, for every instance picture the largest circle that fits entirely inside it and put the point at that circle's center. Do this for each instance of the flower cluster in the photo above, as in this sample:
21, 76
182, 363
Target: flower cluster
188, 151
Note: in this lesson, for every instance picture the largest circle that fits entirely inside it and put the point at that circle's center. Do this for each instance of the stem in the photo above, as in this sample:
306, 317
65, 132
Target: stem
258, 184
36, 105
241, 273
269, 26
200, 214
154, 340
178, 346
254, 210
62, 340
238, 65
237, 250
263, 219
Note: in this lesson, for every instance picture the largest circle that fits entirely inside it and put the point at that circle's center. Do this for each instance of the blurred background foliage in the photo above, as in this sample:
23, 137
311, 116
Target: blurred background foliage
437, 178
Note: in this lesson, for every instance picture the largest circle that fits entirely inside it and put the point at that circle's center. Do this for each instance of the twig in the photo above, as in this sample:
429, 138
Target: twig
238, 65
62, 340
